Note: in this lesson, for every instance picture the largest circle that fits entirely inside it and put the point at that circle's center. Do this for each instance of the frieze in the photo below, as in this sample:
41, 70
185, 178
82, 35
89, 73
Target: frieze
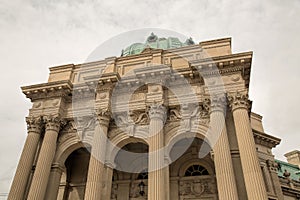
174, 114
139, 117
82, 94
130, 123
83, 124
189, 115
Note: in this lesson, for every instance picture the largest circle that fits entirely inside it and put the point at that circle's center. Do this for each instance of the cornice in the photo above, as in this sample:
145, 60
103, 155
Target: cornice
102, 79
246, 56
216, 41
265, 139
45, 90
61, 67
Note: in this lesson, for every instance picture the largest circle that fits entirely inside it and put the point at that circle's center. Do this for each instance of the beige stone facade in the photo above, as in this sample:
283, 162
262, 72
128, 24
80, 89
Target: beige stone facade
67, 156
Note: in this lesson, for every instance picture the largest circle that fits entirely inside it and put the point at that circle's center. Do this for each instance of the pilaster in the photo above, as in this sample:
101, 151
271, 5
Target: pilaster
54, 181
109, 168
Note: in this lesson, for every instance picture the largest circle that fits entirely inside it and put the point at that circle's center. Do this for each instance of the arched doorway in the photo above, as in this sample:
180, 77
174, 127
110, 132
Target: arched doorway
73, 179
130, 178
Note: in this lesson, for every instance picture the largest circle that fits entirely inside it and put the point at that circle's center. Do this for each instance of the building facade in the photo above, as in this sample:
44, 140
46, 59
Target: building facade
180, 109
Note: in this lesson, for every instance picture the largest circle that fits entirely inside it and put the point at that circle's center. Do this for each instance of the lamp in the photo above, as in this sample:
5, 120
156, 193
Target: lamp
142, 187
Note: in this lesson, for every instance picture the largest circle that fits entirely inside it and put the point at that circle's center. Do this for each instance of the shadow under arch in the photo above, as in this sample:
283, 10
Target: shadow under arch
120, 139
65, 149
134, 162
180, 163
176, 134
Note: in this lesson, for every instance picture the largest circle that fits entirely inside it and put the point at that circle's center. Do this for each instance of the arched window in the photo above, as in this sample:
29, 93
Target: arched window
196, 170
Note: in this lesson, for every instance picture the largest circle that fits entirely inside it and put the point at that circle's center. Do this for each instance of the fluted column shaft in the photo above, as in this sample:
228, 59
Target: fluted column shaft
42, 171
167, 177
54, 181
109, 174
23, 171
156, 180
96, 170
226, 183
254, 182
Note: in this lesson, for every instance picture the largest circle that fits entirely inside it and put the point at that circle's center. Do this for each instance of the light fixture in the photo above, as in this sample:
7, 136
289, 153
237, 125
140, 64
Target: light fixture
142, 187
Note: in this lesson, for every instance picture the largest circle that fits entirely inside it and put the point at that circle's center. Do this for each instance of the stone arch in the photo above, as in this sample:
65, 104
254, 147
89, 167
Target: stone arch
180, 165
120, 139
66, 147
176, 134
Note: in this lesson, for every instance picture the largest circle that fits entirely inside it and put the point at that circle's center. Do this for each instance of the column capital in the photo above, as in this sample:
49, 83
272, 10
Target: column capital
238, 100
34, 124
158, 111
103, 116
54, 123
217, 103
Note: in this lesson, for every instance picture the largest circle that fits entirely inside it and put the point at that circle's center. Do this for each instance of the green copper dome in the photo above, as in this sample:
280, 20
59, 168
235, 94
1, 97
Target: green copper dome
156, 43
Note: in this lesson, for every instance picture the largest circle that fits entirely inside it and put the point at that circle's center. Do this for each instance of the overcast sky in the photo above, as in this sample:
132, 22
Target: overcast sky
38, 34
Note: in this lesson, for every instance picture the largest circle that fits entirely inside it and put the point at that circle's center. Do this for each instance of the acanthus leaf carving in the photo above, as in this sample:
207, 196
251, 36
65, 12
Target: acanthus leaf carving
103, 116
34, 124
238, 100
217, 102
54, 123
157, 111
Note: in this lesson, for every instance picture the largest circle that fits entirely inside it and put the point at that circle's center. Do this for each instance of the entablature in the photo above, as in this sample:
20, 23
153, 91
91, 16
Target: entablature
47, 90
265, 139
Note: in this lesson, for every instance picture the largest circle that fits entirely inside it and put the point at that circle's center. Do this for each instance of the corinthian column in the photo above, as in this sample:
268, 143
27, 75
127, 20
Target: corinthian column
227, 189
47, 152
18, 187
156, 180
95, 177
254, 182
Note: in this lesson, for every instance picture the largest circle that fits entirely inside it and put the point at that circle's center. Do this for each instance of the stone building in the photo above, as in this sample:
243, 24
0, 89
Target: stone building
183, 110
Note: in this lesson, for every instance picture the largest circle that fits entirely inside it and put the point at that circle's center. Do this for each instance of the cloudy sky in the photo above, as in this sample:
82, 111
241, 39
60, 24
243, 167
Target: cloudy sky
38, 34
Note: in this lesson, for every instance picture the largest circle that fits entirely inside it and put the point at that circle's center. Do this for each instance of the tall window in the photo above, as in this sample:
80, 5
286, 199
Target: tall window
196, 170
